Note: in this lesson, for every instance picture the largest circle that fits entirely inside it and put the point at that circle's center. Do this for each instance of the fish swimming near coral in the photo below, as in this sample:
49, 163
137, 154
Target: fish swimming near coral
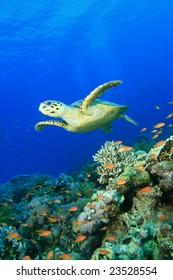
84, 115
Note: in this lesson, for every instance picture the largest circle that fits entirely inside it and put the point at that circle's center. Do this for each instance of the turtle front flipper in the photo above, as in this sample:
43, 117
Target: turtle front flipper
42, 124
96, 93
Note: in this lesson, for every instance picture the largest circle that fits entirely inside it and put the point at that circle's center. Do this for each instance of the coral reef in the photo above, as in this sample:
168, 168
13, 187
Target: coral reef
118, 206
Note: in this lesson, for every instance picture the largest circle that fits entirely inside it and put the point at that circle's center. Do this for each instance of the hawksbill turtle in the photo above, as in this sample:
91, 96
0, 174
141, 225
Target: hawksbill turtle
86, 114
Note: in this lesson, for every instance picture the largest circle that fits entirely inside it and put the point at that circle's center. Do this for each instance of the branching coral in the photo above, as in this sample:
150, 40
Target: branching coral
118, 156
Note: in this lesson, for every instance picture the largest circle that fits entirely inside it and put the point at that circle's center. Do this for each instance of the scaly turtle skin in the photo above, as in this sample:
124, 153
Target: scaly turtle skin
84, 115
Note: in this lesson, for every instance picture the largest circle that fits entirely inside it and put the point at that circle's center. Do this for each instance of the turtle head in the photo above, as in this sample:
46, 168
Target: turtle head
52, 108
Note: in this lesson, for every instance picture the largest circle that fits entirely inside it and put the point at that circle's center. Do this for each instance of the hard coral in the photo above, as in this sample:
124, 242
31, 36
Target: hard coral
113, 154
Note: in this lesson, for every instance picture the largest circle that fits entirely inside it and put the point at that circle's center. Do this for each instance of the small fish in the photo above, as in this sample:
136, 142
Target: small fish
45, 233
43, 212
57, 201
26, 258
159, 132
103, 251
124, 149
5, 204
28, 194
146, 189
158, 125
99, 196
155, 136
52, 219
147, 216
92, 206
108, 166
170, 102
160, 143
170, 125
78, 223
24, 225
80, 238
136, 243
12, 234
120, 181
72, 209
33, 241
161, 217
104, 220
118, 142
154, 130
65, 256
157, 107
143, 129
140, 167
49, 255
169, 116
66, 191
103, 228
78, 193
110, 238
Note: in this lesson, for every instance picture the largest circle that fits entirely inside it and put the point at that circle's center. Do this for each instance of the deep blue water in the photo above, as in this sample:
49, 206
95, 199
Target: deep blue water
62, 50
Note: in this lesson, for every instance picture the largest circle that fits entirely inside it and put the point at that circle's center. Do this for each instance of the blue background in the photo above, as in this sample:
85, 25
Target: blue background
62, 50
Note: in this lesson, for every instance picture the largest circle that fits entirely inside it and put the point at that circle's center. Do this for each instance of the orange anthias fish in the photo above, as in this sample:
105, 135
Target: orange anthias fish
49, 255
136, 243
78, 223
108, 166
52, 219
161, 217
146, 189
100, 196
140, 167
154, 130
45, 233
118, 142
147, 216
103, 251
124, 149
103, 228
160, 143
120, 181
158, 125
143, 129
110, 238
26, 258
169, 116
80, 238
12, 234
57, 201
72, 209
155, 136
65, 256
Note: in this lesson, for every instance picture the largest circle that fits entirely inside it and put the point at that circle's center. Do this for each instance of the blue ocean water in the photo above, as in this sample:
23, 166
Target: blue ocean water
62, 50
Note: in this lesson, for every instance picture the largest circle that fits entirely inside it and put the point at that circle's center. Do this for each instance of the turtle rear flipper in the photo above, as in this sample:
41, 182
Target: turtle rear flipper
42, 124
107, 127
87, 101
127, 118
